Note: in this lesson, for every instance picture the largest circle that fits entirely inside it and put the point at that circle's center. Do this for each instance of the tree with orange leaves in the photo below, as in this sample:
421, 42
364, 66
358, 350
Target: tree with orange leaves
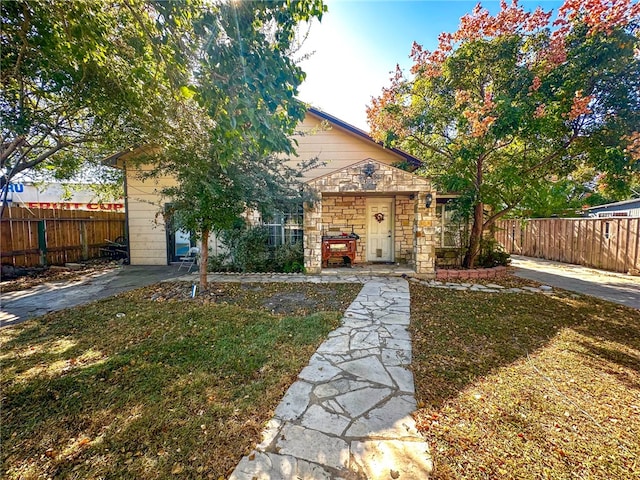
511, 98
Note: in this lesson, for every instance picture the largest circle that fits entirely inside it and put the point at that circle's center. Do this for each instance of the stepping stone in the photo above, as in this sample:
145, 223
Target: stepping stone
313, 446
349, 414
390, 459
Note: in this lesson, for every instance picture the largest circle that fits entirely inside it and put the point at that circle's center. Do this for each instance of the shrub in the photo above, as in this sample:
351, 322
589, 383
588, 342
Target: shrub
249, 251
289, 258
492, 254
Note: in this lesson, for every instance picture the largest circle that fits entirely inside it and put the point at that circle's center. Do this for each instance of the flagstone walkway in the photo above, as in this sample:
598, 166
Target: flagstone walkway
349, 414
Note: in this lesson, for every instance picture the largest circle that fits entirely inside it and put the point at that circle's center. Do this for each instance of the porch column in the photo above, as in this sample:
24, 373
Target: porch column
313, 237
424, 250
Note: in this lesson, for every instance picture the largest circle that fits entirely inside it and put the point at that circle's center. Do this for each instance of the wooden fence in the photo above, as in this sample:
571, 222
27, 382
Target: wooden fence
54, 237
607, 243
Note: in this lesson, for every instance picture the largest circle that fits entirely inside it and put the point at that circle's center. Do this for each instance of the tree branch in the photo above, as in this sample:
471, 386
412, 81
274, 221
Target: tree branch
6, 152
551, 156
431, 147
493, 218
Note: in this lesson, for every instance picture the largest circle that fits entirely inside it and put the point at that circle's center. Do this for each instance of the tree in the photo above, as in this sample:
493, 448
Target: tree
86, 77
508, 100
222, 142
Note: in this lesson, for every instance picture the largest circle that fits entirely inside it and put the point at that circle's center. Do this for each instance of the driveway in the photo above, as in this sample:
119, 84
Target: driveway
49, 297
611, 286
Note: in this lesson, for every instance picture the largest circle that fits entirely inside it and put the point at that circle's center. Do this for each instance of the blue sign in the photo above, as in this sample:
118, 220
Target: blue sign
14, 187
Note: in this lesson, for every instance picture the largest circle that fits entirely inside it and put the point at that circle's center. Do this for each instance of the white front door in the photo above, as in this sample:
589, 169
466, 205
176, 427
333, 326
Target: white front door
380, 230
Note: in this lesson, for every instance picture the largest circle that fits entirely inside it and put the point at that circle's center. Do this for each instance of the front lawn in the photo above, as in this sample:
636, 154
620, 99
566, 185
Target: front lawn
516, 386
145, 385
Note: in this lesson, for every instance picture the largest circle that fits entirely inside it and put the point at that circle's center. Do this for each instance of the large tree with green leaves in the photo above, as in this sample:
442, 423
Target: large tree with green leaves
510, 99
237, 116
84, 77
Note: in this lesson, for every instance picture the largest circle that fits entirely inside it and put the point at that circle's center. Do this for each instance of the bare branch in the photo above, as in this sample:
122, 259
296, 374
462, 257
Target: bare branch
6, 152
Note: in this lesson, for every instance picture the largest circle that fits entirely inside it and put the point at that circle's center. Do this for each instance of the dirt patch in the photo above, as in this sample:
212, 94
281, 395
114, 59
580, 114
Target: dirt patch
285, 302
277, 298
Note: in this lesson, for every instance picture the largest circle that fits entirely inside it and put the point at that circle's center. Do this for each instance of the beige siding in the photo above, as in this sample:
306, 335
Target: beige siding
147, 236
333, 145
336, 147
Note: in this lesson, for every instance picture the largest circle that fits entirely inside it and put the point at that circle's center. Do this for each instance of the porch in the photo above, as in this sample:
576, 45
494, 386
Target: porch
390, 211
373, 269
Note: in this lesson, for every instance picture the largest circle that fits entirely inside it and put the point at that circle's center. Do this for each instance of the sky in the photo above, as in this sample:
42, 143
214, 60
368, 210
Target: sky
358, 43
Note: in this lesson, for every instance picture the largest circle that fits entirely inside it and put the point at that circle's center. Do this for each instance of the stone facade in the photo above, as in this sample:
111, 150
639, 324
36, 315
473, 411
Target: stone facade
342, 204
424, 238
404, 220
346, 212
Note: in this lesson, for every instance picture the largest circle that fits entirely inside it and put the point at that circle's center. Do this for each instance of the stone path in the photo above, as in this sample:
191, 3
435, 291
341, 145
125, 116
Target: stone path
479, 287
349, 414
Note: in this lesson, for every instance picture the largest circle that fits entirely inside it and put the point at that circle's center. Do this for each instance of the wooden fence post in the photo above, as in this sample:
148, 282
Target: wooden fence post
42, 241
84, 240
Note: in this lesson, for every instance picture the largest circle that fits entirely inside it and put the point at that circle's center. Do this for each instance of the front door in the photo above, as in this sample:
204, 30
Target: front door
380, 230
178, 241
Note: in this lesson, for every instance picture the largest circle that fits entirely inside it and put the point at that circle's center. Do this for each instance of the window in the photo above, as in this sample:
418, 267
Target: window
452, 231
285, 228
617, 213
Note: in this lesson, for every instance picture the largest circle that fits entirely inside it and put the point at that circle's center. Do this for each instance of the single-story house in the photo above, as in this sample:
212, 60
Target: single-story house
396, 214
625, 208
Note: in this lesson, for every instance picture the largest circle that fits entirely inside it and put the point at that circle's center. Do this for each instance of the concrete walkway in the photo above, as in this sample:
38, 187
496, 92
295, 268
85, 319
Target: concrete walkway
611, 286
52, 296
349, 414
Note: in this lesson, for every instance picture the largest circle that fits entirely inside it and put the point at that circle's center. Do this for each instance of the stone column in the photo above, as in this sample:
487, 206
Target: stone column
313, 237
424, 250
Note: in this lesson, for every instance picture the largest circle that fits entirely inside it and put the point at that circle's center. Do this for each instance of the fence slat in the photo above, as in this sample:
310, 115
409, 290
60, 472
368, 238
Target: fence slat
610, 244
64, 235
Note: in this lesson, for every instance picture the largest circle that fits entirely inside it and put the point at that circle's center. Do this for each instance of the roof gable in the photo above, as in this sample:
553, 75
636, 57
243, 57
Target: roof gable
369, 176
413, 161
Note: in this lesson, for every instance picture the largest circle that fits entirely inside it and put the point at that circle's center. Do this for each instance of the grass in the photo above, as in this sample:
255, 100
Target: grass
152, 385
142, 386
516, 386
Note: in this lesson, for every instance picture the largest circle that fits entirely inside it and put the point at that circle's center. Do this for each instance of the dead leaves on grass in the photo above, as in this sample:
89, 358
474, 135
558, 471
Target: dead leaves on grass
131, 393
527, 386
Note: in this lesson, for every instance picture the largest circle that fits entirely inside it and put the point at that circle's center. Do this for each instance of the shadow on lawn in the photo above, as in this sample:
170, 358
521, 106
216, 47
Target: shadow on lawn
459, 337
68, 414
130, 388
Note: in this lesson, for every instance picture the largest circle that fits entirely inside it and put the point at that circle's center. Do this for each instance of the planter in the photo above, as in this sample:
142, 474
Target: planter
471, 273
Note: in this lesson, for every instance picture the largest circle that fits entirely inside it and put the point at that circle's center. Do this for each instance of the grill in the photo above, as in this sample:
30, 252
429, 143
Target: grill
339, 246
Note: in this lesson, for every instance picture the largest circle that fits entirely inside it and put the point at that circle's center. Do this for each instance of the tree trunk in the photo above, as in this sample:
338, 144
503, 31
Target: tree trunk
204, 259
476, 236
478, 220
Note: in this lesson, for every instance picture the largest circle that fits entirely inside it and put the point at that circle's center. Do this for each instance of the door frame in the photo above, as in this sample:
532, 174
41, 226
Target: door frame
391, 201
170, 235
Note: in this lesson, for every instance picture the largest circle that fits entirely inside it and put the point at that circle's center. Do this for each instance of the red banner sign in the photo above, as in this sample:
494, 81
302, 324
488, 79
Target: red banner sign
113, 207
